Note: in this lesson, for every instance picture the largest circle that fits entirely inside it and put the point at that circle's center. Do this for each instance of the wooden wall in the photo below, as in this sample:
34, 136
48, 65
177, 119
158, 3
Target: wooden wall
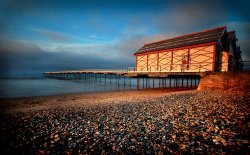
224, 64
194, 59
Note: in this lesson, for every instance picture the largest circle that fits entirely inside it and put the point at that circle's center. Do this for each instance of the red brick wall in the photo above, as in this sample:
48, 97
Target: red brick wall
239, 82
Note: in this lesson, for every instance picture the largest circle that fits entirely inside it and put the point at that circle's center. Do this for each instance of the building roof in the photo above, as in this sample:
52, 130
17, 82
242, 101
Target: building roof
206, 36
231, 35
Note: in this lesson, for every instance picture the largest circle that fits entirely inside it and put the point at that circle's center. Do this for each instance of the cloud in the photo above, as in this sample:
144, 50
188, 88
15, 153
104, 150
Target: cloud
34, 57
245, 46
243, 29
243, 35
19, 58
53, 35
188, 16
128, 45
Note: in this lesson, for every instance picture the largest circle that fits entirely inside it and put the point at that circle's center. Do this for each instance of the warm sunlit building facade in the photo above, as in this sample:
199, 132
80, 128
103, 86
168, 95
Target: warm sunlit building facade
208, 50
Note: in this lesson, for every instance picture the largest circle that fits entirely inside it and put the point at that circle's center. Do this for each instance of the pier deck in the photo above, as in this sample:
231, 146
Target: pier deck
129, 73
144, 80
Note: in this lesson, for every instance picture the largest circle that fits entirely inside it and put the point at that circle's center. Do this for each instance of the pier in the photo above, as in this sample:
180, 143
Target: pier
124, 77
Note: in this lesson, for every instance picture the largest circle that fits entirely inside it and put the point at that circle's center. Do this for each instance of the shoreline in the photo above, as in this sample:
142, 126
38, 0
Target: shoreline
36, 103
26, 104
99, 92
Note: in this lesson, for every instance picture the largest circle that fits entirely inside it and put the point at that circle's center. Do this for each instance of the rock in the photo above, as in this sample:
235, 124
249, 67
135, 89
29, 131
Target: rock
42, 152
243, 141
174, 137
216, 141
223, 141
190, 122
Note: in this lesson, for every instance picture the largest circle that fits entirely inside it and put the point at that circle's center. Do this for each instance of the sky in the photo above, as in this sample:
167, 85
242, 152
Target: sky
45, 35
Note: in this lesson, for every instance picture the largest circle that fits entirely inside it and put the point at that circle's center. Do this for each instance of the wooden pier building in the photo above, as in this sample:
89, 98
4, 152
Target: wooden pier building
211, 50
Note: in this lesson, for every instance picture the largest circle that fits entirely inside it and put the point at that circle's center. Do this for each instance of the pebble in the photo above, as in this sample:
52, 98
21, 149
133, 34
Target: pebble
205, 121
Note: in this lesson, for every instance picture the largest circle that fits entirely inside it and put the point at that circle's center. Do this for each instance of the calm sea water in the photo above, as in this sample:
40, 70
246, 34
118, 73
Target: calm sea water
28, 87
15, 88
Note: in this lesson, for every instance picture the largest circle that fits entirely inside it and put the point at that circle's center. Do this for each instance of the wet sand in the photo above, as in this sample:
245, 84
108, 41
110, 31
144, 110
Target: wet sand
140, 122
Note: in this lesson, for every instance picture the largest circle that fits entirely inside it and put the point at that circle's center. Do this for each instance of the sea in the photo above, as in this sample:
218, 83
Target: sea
42, 86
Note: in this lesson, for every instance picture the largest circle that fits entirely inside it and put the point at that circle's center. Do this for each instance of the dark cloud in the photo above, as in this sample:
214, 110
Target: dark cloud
243, 35
31, 59
245, 46
128, 45
192, 16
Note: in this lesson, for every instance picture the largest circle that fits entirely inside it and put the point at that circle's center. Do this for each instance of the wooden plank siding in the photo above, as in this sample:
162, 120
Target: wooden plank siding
196, 59
225, 58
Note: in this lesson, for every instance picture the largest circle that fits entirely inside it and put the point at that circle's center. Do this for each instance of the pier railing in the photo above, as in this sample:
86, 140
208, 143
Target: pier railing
101, 71
118, 71
194, 67
182, 68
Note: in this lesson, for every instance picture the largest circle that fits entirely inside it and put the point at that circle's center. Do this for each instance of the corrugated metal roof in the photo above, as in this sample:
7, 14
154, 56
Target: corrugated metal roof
207, 36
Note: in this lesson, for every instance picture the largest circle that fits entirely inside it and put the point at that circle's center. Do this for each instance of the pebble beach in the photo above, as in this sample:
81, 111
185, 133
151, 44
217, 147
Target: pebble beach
188, 122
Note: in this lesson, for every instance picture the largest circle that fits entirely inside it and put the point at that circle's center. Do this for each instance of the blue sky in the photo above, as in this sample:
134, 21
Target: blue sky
41, 35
